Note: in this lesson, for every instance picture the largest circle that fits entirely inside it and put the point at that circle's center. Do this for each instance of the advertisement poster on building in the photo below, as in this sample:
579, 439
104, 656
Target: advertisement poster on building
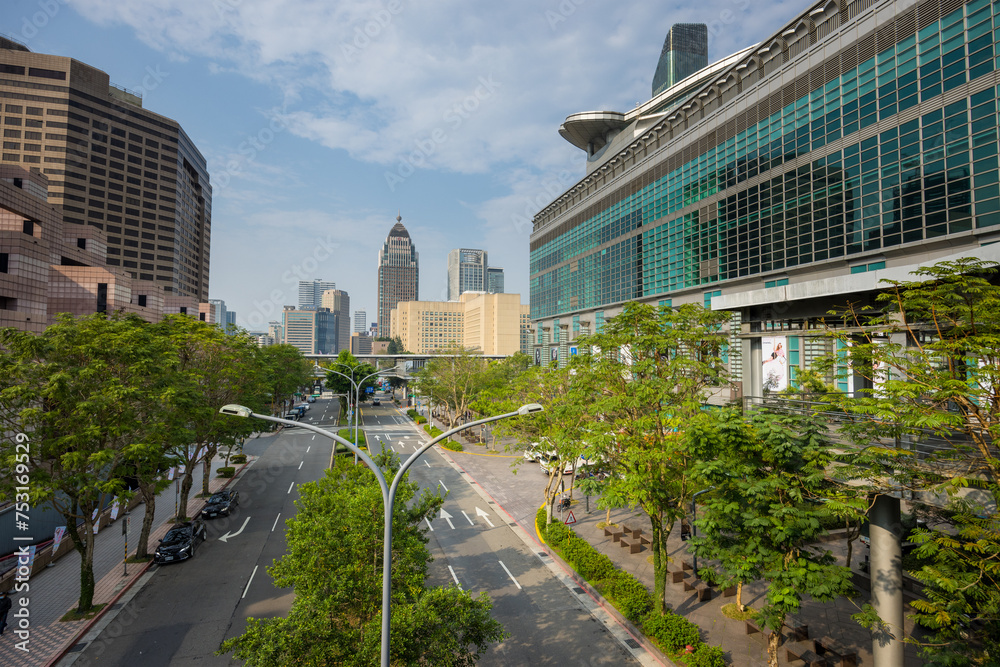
775, 363
538, 356
57, 538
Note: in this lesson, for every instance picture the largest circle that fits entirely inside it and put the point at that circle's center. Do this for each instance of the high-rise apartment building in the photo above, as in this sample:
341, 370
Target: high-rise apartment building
685, 51
494, 280
360, 322
311, 291
311, 330
398, 274
857, 143
339, 303
111, 164
219, 312
466, 272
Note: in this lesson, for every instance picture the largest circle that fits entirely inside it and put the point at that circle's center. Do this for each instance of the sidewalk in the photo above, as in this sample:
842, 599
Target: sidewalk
55, 590
829, 620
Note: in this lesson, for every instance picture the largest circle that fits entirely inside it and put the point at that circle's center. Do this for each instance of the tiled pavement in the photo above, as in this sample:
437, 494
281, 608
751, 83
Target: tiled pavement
521, 496
55, 590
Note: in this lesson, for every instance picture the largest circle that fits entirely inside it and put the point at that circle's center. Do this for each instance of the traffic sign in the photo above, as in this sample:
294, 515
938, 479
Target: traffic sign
570, 519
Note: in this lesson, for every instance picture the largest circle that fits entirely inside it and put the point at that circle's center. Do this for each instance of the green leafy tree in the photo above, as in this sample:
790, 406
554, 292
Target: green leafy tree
396, 346
453, 383
764, 511
79, 392
336, 614
649, 372
349, 365
281, 371
928, 356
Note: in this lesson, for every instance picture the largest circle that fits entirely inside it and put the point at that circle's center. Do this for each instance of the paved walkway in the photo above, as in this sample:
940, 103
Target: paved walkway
55, 590
521, 495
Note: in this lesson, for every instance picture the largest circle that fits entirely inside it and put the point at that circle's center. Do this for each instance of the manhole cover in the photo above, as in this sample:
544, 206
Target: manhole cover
578, 590
633, 643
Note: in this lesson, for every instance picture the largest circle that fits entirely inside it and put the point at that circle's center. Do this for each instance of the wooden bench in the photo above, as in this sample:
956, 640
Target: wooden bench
753, 628
824, 647
703, 592
634, 546
678, 576
611, 531
806, 656
729, 592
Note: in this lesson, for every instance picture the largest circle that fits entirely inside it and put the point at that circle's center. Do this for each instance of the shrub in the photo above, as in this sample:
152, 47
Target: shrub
452, 445
671, 632
706, 656
227, 471
631, 596
412, 413
238, 458
421, 419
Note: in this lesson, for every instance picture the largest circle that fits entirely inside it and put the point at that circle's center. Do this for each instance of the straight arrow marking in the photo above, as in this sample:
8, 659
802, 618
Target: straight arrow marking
447, 517
225, 538
486, 518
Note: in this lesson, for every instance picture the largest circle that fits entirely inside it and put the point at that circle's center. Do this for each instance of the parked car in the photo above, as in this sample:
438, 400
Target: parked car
311, 399
221, 503
180, 541
549, 461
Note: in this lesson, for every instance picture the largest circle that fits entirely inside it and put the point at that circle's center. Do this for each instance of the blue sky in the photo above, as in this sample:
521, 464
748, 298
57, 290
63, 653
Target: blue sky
321, 119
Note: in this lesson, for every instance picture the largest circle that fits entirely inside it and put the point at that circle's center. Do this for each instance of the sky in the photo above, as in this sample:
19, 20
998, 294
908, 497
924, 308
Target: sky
322, 120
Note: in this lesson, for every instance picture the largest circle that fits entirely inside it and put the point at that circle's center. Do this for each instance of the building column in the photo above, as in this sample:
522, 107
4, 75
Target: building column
886, 573
753, 377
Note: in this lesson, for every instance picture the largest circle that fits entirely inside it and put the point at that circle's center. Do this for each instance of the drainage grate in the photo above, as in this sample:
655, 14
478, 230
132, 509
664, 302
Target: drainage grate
116, 606
76, 648
578, 590
542, 554
633, 643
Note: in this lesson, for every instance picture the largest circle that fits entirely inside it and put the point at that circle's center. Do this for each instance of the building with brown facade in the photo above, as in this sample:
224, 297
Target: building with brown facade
398, 274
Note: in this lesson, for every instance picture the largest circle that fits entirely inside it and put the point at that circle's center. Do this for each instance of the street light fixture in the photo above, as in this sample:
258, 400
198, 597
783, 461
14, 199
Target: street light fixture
388, 490
357, 394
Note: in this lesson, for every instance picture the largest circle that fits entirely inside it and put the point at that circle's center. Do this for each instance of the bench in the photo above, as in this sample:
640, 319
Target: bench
703, 592
806, 656
678, 576
824, 647
634, 546
611, 531
729, 592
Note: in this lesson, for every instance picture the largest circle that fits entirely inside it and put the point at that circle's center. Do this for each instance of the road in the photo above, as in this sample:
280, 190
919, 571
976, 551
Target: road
476, 549
187, 609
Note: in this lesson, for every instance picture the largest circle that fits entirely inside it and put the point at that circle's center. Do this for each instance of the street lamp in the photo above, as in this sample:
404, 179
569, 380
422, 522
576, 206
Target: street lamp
388, 490
357, 393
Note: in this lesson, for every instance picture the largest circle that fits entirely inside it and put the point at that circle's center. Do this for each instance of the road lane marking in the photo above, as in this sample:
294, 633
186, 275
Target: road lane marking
443, 486
290, 488
485, 515
510, 575
300, 464
309, 447
416, 447
314, 437
225, 538
429, 524
467, 518
426, 463
447, 517
455, 577
275, 522
248, 583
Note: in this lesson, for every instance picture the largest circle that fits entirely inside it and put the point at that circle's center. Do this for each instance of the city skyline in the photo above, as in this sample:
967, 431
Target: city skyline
307, 133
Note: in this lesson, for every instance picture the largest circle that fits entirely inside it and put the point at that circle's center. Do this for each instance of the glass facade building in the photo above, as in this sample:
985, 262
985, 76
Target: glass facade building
861, 137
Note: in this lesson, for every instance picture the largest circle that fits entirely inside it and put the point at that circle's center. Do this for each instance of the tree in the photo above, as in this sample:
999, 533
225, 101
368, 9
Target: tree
453, 382
928, 353
649, 372
336, 614
396, 346
78, 393
283, 370
767, 478
348, 365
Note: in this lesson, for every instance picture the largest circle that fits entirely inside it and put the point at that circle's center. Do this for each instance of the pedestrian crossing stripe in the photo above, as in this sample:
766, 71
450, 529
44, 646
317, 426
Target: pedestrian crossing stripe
570, 519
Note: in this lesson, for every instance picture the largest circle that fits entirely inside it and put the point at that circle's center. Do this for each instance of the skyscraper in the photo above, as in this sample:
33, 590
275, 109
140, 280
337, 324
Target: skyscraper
398, 273
494, 280
111, 164
685, 51
466, 272
360, 322
339, 303
311, 291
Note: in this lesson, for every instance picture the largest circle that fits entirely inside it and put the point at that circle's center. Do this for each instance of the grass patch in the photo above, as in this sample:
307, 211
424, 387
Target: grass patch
75, 615
601, 525
136, 559
732, 611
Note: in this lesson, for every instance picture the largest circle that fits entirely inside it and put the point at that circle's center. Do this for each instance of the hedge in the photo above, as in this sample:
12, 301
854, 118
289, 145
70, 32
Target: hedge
421, 419
238, 458
672, 632
452, 445
434, 431
227, 471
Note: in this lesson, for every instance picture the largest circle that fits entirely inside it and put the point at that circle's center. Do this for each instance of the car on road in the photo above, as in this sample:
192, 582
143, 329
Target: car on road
311, 399
180, 541
221, 503
376, 401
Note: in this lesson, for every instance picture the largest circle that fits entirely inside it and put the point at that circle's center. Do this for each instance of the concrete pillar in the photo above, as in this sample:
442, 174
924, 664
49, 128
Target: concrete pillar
887, 580
753, 377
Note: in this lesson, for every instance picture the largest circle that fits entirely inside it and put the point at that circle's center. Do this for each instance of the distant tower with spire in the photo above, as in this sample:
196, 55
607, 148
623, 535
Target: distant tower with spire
398, 273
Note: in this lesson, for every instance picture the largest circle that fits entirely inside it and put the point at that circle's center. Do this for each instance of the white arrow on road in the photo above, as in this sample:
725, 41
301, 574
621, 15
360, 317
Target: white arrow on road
226, 537
485, 516
447, 517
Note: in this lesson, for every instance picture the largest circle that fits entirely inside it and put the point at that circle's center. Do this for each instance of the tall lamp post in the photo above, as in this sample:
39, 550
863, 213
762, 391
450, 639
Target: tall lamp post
388, 490
357, 394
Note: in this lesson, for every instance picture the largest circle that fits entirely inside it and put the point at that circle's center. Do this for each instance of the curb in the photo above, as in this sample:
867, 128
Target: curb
107, 607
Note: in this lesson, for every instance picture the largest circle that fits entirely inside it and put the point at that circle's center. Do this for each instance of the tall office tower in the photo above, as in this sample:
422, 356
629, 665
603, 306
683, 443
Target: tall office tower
494, 280
360, 322
466, 272
398, 274
311, 330
230, 322
685, 51
218, 312
311, 291
112, 164
339, 303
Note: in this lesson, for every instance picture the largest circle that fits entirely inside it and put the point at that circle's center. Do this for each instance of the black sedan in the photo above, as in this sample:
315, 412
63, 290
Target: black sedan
221, 503
180, 541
